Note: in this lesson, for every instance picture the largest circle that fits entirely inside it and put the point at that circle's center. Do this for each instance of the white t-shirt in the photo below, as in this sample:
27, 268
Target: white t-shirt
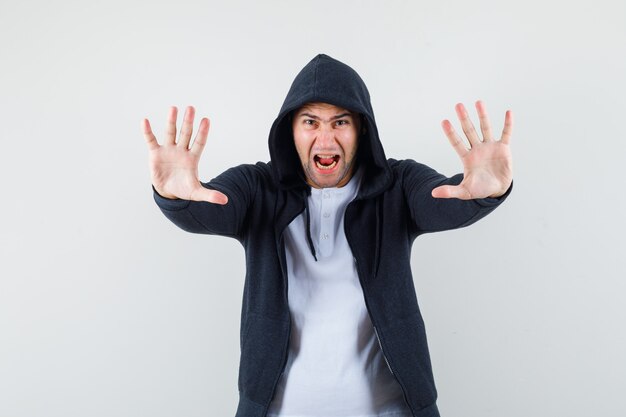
335, 366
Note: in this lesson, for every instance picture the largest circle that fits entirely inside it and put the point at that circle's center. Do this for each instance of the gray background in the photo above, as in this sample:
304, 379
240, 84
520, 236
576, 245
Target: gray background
107, 309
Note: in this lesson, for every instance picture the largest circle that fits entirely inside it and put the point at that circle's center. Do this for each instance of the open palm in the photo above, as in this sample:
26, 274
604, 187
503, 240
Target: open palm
174, 166
487, 165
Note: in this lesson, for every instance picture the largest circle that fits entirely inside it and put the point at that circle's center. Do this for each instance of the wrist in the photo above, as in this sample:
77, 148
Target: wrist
163, 194
501, 192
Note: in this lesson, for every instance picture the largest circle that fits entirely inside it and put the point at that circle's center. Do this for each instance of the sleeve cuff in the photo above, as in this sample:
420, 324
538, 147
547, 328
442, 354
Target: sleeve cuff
168, 203
490, 202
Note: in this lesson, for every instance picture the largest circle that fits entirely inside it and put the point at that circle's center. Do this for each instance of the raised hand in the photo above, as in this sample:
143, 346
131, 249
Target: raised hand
487, 165
174, 166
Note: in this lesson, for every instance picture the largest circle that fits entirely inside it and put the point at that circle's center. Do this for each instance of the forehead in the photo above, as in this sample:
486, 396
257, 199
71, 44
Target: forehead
322, 109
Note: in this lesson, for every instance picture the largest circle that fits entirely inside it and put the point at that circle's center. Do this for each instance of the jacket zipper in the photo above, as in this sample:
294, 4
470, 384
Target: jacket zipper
381, 350
379, 342
367, 306
286, 294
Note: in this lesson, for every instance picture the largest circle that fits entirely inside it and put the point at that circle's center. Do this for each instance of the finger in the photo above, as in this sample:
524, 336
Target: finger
211, 196
451, 191
170, 129
455, 140
201, 136
508, 127
149, 136
485, 126
187, 127
467, 125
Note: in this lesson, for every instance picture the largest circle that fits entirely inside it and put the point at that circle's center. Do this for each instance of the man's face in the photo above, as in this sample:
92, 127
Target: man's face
326, 138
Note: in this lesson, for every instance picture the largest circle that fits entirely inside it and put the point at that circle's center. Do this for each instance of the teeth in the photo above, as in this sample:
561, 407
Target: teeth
320, 166
326, 156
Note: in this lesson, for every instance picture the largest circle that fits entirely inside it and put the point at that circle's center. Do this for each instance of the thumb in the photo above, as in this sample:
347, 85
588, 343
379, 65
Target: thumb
210, 196
451, 191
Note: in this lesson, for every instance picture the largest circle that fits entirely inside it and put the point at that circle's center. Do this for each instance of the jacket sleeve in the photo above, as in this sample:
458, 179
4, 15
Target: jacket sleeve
431, 214
238, 183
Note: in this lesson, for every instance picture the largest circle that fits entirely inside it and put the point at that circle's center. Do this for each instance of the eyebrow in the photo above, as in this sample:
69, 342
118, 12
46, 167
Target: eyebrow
312, 116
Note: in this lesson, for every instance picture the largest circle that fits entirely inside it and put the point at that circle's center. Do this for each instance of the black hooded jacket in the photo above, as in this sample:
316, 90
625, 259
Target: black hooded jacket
393, 207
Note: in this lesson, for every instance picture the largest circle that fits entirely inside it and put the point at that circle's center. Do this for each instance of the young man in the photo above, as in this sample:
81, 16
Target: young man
330, 322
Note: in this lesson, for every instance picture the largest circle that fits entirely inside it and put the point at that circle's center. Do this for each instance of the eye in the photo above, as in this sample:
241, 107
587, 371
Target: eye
309, 122
342, 122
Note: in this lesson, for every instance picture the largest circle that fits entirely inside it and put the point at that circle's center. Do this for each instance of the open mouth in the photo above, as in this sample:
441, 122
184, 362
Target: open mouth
326, 162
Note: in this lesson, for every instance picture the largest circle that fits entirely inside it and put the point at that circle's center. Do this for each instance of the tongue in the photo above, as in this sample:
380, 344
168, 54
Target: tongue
326, 161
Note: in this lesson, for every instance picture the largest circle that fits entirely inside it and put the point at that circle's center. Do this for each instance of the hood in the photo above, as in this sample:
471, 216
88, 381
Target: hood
324, 79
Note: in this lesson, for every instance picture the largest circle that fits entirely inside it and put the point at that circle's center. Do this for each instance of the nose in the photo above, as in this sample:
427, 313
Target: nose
325, 137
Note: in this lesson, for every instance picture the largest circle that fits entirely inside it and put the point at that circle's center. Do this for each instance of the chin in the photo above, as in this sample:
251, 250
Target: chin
327, 182
330, 180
